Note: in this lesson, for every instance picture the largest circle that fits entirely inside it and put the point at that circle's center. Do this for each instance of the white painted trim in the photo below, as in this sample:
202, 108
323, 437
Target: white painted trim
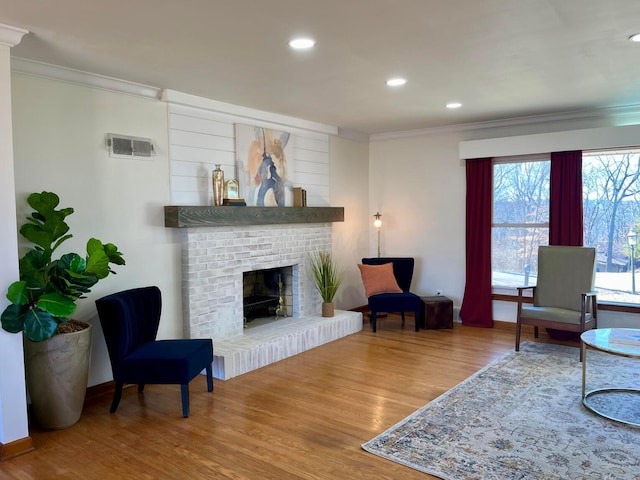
179, 98
585, 139
613, 112
11, 36
78, 77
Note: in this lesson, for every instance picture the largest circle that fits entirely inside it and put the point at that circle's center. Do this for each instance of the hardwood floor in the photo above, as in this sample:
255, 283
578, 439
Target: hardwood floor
302, 418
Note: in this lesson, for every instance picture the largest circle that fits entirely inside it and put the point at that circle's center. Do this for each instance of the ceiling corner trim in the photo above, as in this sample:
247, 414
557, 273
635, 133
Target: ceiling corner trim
78, 77
188, 100
11, 36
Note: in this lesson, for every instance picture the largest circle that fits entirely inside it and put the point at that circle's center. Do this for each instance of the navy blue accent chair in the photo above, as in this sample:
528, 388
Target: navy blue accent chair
130, 322
396, 302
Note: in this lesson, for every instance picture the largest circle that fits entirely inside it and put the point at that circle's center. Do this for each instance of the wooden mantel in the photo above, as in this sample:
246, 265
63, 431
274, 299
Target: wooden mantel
205, 216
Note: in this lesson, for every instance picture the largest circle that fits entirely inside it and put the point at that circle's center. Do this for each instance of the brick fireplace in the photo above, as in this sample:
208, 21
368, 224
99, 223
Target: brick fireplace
214, 259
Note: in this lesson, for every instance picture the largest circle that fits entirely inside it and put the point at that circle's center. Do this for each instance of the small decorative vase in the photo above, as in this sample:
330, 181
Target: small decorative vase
217, 177
327, 309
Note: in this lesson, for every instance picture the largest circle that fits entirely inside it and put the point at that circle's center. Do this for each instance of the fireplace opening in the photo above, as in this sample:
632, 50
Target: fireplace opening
265, 294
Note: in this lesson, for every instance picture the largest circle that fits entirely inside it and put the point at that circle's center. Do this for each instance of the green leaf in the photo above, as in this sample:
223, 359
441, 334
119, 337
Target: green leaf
94, 245
72, 262
37, 234
114, 255
43, 202
13, 318
39, 325
17, 293
97, 261
56, 304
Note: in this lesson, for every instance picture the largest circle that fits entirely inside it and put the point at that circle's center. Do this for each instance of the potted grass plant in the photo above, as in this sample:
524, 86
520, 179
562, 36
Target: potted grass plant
327, 277
57, 348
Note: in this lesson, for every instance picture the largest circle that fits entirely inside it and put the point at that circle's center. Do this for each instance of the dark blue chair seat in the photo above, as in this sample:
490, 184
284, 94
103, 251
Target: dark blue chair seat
130, 321
395, 302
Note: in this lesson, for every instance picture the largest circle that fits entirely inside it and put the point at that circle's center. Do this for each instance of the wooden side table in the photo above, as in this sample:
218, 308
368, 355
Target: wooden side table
437, 312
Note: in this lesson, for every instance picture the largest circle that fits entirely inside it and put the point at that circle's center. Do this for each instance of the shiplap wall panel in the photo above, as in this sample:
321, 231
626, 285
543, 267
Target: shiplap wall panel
303, 166
199, 139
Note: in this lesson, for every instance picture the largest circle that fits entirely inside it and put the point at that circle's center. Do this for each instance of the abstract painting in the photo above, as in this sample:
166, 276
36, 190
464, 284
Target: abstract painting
265, 165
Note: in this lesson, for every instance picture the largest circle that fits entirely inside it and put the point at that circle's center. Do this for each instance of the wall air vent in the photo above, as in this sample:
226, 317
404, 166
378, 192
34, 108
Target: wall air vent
123, 146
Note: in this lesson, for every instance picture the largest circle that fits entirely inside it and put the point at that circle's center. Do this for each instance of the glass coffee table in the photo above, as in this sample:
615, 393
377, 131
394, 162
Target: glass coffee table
623, 342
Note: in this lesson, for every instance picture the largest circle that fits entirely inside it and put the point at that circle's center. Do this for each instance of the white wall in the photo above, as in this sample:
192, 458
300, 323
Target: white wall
13, 398
418, 185
59, 131
349, 189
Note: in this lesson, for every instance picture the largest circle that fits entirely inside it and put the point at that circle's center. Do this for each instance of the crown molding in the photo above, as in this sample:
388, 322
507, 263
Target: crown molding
45, 70
610, 112
354, 135
186, 99
11, 36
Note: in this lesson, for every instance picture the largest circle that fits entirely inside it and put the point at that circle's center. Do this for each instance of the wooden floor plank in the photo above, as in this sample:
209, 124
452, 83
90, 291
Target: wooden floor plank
302, 418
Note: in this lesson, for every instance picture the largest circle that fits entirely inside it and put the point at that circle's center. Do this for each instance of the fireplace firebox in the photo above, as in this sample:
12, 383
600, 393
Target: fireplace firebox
266, 294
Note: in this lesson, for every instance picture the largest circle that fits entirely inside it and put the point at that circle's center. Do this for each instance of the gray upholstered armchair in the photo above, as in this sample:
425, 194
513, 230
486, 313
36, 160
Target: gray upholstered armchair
566, 277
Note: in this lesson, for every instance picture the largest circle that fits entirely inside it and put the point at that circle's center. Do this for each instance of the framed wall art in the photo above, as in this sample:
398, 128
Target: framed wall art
265, 165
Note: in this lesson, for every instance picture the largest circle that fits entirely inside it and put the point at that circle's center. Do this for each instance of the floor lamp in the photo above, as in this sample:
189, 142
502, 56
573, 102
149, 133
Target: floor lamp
378, 223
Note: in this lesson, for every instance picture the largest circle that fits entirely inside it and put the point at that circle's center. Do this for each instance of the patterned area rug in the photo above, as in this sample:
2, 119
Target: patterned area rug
522, 418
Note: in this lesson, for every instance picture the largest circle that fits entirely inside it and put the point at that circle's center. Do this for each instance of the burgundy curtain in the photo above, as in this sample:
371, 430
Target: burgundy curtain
565, 210
565, 215
476, 310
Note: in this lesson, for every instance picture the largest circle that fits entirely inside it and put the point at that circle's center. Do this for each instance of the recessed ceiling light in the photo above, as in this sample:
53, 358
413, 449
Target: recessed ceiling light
453, 105
635, 37
302, 43
396, 82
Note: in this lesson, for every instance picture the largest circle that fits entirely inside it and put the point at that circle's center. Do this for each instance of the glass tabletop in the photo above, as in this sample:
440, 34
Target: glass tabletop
622, 341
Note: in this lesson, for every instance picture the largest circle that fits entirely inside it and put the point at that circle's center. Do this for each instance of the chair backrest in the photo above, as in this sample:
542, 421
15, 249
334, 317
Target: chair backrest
563, 274
129, 319
402, 268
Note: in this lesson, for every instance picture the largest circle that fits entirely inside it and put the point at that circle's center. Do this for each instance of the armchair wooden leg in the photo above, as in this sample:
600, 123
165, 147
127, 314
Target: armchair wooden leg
518, 327
402, 315
374, 320
140, 387
184, 388
117, 395
535, 332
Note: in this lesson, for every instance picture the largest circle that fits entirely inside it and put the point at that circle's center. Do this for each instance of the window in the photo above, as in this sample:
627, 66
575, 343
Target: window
520, 220
611, 201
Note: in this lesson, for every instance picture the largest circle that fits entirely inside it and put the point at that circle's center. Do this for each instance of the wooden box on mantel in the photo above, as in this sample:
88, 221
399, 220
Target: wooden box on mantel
437, 312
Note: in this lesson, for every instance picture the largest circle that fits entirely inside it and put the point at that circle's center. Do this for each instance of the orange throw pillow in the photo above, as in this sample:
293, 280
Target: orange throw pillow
378, 279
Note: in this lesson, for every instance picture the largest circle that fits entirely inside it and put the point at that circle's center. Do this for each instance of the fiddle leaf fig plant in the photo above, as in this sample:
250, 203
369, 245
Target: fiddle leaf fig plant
48, 289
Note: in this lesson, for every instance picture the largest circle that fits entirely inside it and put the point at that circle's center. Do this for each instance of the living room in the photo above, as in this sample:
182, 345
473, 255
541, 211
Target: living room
57, 122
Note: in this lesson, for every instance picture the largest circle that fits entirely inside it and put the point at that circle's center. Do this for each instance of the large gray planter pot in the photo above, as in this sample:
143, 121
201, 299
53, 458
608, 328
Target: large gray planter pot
57, 373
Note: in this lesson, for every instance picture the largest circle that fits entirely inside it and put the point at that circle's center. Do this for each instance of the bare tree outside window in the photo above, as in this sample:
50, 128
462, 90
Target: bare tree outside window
520, 220
611, 192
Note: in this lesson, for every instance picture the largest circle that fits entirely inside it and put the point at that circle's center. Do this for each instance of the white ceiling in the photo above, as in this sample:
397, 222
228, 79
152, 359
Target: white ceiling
501, 58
